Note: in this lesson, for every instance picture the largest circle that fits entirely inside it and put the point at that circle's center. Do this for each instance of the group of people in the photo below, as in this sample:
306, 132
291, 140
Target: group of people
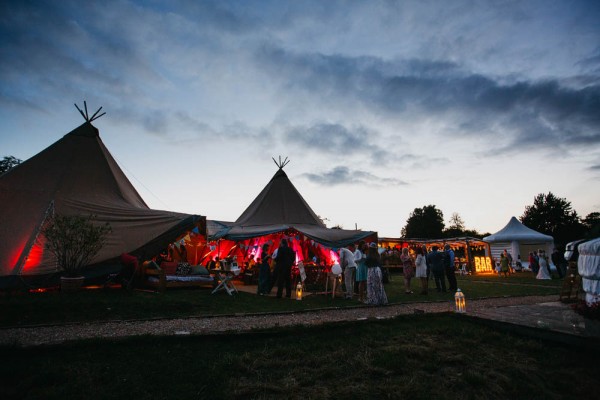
438, 265
276, 270
539, 264
361, 267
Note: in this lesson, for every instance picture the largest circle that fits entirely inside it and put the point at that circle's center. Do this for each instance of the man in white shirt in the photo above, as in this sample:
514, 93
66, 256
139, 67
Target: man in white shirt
349, 266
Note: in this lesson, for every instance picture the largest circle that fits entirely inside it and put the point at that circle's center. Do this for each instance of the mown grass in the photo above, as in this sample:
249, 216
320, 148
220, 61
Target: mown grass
411, 357
115, 304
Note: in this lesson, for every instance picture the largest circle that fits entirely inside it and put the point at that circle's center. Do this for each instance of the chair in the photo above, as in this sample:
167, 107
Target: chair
225, 283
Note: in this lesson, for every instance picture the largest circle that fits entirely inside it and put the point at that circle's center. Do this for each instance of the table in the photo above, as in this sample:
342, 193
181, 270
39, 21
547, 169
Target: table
225, 281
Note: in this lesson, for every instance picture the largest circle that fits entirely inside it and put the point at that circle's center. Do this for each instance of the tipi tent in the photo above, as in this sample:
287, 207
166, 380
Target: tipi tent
77, 175
280, 209
519, 240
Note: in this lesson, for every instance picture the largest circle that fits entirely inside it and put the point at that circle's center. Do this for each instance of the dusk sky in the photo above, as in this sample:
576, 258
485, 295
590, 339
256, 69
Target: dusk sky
381, 106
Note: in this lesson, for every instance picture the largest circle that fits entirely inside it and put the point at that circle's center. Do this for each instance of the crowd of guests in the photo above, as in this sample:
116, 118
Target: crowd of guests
363, 271
539, 264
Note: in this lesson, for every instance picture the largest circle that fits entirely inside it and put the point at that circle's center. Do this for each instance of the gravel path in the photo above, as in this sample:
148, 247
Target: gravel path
33, 336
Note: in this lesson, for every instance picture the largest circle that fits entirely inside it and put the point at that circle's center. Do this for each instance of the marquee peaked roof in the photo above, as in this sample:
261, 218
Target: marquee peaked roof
516, 231
77, 175
279, 207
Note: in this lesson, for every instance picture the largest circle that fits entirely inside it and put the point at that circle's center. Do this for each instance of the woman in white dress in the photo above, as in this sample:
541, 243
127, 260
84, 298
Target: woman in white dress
421, 269
544, 272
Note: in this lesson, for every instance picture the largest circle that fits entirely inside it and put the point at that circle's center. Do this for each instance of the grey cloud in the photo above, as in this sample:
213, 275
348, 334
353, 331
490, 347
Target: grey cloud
334, 138
595, 167
342, 175
559, 114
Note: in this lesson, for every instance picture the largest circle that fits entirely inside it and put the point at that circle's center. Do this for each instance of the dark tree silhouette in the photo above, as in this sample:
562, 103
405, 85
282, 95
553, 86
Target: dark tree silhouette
554, 216
425, 223
8, 163
592, 224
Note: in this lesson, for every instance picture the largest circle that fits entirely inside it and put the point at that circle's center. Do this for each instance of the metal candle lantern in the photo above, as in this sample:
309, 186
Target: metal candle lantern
460, 302
299, 291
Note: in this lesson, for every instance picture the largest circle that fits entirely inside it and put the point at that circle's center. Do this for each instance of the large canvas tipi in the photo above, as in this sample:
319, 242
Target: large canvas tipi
280, 207
77, 176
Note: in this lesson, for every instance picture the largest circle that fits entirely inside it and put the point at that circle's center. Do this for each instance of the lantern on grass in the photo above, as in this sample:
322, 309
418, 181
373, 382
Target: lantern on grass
299, 291
459, 300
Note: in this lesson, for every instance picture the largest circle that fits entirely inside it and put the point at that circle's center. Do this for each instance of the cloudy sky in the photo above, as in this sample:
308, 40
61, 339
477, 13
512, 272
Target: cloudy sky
381, 106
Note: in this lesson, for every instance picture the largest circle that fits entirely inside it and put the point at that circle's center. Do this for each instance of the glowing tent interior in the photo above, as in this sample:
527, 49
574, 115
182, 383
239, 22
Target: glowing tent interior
279, 211
78, 176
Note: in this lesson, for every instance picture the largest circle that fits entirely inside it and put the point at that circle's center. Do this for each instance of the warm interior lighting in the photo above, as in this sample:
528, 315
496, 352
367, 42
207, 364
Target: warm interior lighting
299, 291
460, 302
483, 264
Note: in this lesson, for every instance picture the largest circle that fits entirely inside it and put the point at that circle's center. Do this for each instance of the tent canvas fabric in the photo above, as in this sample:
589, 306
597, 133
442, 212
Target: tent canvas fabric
518, 239
588, 266
280, 207
77, 175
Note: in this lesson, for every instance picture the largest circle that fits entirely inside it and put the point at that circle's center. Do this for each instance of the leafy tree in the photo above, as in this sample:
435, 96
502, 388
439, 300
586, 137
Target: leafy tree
425, 223
8, 163
553, 216
592, 224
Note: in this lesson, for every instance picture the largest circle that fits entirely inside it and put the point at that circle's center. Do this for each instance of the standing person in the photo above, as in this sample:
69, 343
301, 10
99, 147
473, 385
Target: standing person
544, 271
407, 269
360, 257
264, 275
436, 263
534, 263
530, 261
284, 261
504, 265
510, 261
558, 259
421, 269
449, 268
375, 291
349, 267
429, 274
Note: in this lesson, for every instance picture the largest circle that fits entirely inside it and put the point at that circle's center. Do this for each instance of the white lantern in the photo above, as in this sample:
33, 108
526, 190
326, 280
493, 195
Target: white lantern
460, 302
299, 291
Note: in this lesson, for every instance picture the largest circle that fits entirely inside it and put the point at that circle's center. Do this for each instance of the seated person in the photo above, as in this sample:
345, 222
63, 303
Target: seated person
251, 264
214, 264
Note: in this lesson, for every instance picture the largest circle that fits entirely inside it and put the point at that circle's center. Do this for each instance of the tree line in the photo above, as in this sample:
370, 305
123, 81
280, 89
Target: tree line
549, 214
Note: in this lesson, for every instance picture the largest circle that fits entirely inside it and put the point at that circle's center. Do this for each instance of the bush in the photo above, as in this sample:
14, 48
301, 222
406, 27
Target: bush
74, 240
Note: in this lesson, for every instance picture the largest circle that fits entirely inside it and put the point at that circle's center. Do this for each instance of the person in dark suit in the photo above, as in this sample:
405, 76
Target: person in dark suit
284, 261
449, 268
436, 263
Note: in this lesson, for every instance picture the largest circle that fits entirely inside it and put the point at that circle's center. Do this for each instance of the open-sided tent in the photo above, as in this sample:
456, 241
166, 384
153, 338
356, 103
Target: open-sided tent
278, 211
519, 240
471, 251
78, 176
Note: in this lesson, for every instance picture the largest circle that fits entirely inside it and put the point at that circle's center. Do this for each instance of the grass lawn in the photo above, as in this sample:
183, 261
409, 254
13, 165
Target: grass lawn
55, 307
443, 356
